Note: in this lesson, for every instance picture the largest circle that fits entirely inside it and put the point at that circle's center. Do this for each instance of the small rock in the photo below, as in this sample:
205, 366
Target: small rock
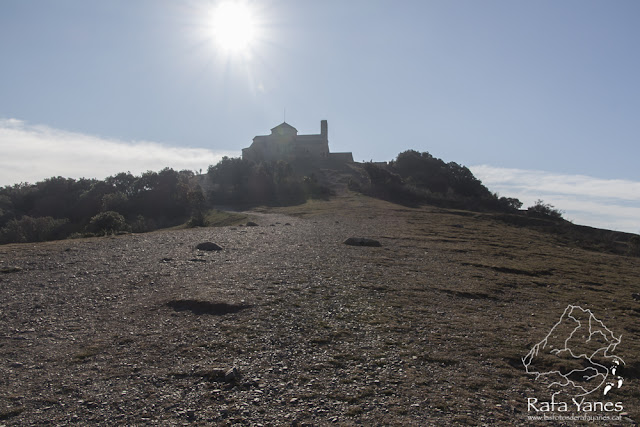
361, 241
231, 374
251, 224
208, 246
10, 269
636, 296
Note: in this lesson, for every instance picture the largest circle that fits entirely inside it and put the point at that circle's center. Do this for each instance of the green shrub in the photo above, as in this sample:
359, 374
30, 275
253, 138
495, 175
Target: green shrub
540, 208
197, 220
108, 222
29, 229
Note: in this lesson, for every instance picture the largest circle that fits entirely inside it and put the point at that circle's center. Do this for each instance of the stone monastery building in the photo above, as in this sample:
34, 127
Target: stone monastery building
284, 143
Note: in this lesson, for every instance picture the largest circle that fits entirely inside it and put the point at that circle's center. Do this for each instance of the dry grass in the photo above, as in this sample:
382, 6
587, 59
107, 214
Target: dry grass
218, 218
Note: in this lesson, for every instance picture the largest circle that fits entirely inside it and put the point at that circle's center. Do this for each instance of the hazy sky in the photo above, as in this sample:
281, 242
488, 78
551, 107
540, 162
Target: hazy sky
547, 86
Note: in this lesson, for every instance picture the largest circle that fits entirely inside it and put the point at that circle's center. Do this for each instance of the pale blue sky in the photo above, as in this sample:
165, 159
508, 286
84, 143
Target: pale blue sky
529, 85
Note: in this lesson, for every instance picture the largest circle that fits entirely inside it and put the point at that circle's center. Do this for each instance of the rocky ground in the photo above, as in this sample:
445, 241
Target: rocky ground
286, 325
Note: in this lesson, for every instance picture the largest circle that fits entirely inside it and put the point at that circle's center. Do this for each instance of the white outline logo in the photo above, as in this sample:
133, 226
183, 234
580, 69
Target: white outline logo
587, 344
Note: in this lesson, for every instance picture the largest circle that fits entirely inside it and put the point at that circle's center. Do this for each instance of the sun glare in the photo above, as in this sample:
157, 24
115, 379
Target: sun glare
233, 26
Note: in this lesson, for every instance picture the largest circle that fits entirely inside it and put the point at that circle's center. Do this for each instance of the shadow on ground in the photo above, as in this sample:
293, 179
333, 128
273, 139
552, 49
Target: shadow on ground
205, 307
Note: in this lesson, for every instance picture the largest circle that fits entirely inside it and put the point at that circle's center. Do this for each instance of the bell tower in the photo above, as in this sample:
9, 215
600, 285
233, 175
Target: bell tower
324, 130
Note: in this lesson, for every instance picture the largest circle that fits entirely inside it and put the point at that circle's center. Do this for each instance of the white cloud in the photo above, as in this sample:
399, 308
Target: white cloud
31, 153
605, 203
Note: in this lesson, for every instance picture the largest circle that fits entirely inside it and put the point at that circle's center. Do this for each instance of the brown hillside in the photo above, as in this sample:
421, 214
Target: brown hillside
428, 329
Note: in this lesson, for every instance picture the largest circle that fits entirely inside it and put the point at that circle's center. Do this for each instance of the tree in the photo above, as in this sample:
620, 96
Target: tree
509, 203
29, 229
231, 173
160, 195
6, 209
197, 204
540, 208
122, 182
115, 202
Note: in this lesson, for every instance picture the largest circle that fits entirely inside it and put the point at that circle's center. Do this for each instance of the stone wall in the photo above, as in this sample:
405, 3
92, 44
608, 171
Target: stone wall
341, 157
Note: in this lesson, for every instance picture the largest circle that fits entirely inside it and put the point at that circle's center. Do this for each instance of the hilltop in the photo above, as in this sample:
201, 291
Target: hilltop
59, 208
429, 328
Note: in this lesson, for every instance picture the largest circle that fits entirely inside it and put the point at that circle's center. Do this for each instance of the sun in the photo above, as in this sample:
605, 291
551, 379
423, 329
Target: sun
233, 26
